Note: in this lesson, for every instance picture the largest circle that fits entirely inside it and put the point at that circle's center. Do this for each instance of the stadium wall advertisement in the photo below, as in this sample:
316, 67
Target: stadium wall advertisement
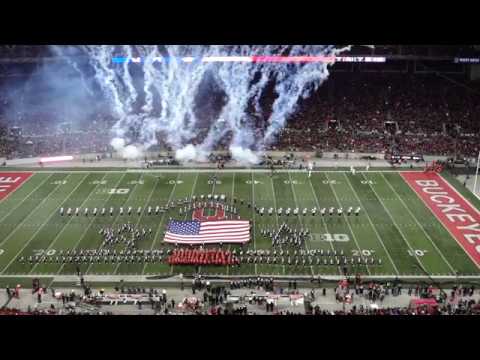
10, 181
457, 215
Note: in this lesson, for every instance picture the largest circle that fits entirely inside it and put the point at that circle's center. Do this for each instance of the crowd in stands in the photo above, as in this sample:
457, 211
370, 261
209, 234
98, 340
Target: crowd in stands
350, 112
427, 113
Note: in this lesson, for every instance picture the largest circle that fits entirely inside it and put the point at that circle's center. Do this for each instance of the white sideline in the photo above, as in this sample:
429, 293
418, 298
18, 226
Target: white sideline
419, 225
145, 278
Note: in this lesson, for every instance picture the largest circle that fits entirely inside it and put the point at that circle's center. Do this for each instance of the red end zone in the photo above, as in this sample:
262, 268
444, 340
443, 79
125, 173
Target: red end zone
456, 214
10, 181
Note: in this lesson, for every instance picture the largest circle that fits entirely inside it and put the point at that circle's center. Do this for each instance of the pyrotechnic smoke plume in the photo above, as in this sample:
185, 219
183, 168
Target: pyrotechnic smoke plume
155, 98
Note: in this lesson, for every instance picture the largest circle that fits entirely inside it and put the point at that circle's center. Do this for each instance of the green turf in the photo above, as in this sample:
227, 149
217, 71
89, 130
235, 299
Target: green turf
394, 224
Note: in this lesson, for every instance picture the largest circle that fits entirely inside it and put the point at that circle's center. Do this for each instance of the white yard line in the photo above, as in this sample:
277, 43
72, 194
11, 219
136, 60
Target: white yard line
139, 278
275, 209
41, 227
420, 225
114, 222
202, 170
25, 198
143, 214
299, 217
348, 223
373, 226
191, 194
87, 227
69, 219
323, 220
160, 224
233, 194
395, 223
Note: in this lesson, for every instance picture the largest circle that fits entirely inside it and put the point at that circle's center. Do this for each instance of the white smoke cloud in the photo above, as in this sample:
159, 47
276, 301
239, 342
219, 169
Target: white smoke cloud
191, 153
160, 96
244, 156
118, 144
130, 152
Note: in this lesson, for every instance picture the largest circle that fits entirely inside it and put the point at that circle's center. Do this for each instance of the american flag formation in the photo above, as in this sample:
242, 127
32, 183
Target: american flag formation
208, 232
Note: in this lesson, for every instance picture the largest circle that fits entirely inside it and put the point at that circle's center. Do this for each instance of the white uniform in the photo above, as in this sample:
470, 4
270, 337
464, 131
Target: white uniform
61, 211
352, 169
121, 211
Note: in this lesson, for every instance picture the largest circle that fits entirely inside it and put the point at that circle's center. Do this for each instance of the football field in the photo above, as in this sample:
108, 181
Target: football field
395, 234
